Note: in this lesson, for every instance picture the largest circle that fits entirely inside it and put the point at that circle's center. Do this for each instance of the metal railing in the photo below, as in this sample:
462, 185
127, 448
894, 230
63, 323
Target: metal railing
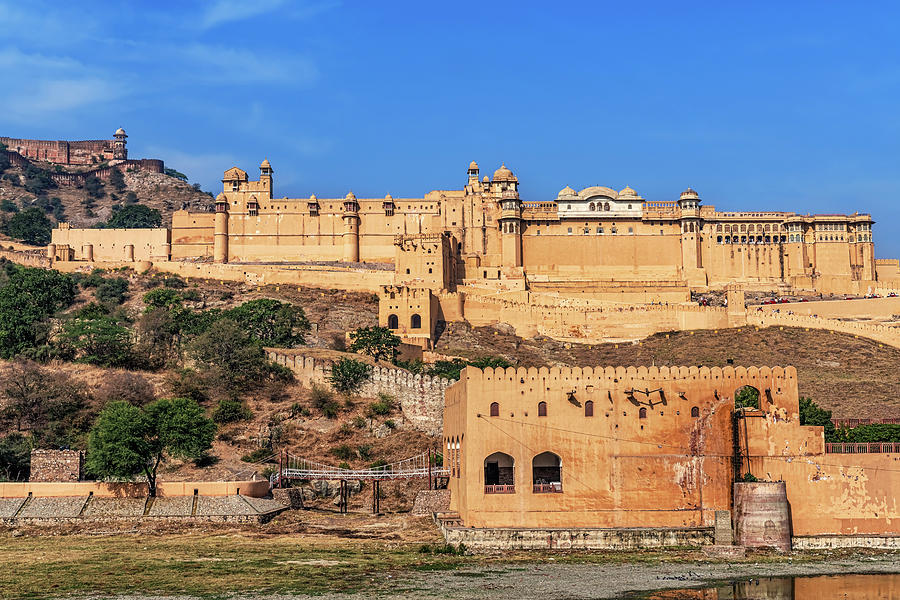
500, 489
420, 466
870, 448
851, 423
547, 488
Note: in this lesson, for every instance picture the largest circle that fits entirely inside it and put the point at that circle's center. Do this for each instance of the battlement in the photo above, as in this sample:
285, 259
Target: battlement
606, 375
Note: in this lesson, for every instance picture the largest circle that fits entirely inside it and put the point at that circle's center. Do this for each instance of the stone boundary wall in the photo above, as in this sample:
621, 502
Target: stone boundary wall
421, 396
150, 165
56, 465
880, 333
428, 502
100, 489
28, 259
827, 542
575, 539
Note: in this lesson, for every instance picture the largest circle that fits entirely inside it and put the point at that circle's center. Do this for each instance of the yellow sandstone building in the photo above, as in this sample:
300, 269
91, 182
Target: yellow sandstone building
586, 242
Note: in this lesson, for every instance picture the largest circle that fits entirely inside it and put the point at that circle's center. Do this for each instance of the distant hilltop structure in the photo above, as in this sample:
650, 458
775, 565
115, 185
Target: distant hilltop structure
101, 155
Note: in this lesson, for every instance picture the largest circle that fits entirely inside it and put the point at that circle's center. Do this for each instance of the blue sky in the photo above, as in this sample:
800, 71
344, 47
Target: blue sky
769, 105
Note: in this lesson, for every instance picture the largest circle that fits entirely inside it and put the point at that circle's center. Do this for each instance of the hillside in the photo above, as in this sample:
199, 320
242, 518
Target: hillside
854, 377
162, 192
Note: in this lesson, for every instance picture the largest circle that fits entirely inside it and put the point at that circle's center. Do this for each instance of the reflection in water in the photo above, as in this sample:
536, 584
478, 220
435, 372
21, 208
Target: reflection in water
829, 587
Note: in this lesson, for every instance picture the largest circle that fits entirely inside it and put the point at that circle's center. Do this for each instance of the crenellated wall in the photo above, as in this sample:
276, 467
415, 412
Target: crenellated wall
421, 397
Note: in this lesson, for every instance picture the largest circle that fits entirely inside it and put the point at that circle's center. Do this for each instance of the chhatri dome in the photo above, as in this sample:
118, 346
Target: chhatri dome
566, 191
627, 192
473, 166
689, 194
265, 164
504, 174
120, 131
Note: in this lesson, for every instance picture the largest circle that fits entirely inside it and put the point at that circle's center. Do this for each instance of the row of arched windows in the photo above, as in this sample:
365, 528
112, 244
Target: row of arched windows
753, 239
588, 410
500, 477
415, 322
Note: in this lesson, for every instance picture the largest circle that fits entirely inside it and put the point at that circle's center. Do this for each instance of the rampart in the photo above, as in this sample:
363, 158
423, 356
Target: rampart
884, 334
421, 397
58, 489
149, 165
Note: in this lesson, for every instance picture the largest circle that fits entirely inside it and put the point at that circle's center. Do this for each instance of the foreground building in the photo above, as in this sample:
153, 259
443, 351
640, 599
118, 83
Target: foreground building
659, 448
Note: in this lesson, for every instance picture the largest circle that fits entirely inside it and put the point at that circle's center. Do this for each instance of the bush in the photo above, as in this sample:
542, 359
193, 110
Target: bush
348, 375
134, 216
343, 452
359, 422
746, 397
868, 434
15, 457
390, 424
377, 342
9, 206
259, 455
186, 383
383, 406
812, 414
231, 411
96, 339
364, 451
298, 409
112, 291
272, 322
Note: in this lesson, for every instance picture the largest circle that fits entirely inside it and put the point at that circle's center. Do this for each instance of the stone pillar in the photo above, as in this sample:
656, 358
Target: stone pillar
87, 252
51, 251
129, 252
220, 239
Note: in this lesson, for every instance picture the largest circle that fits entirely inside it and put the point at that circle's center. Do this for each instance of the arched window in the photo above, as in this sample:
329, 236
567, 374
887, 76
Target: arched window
499, 474
542, 409
546, 473
695, 411
589, 408
393, 322
415, 322
606, 206
495, 409
591, 206
746, 397
642, 413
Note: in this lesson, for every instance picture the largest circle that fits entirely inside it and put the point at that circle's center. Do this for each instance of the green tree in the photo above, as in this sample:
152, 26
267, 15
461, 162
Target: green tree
746, 397
272, 322
347, 375
7, 205
231, 410
450, 369
96, 339
377, 342
227, 351
15, 457
127, 440
117, 180
31, 226
135, 216
28, 298
812, 414
176, 174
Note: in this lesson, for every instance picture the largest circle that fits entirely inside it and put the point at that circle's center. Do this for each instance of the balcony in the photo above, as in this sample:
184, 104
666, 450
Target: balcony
500, 489
548, 488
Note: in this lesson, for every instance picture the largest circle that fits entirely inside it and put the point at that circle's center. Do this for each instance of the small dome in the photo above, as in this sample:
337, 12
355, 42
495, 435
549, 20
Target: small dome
473, 166
485, 179
313, 197
689, 194
221, 197
265, 164
350, 196
566, 191
120, 131
389, 198
627, 192
504, 174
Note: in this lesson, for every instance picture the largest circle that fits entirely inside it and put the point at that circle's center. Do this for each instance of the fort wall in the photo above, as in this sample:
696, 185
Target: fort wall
421, 397
114, 244
654, 448
254, 488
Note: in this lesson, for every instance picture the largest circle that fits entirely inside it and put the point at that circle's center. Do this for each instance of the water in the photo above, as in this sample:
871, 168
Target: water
826, 587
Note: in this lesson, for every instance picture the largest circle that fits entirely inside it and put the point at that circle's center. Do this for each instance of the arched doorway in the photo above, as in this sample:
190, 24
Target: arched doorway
746, 397
499, 474
393, 322
415, 322
546, 473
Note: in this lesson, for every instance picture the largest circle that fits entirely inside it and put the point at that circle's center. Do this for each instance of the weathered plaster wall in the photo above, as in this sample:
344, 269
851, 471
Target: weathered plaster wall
256, 489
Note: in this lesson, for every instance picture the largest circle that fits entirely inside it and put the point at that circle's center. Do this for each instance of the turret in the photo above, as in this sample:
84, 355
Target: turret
473, 173
120, 152
691, 255
265, 176
351, 228
505, 185
220, 233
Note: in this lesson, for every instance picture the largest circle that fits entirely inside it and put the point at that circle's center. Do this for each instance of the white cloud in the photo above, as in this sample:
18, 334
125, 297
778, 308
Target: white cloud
227, 11
230, 66
46, 96
204, 168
